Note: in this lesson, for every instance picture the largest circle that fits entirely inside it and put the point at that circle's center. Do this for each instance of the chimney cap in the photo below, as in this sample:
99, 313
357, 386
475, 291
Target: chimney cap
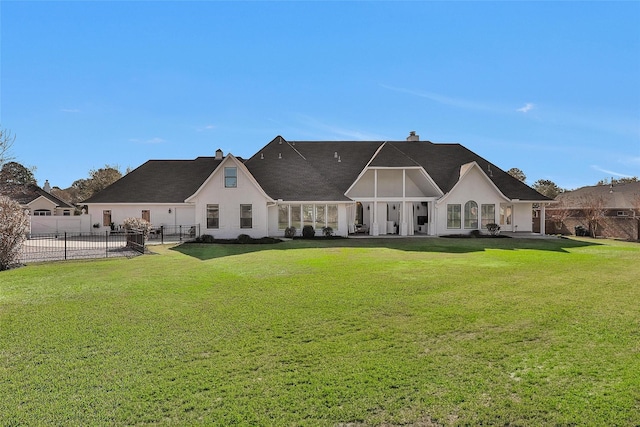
413, 137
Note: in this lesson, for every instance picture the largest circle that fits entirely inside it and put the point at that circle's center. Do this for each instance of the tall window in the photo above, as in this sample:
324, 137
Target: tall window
505, 215
332, 217
307, 214
283, 216
231, 177
213, 216
320, 217
471, 215
488, 215
246, 217
146, 215
106, 218
453, 216
296, 219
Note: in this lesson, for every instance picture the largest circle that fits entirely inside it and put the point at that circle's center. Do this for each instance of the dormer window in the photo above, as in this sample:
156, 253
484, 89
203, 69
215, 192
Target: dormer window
230, 177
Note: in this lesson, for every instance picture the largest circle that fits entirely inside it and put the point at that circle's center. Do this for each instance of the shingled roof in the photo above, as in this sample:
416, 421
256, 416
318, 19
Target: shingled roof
25, 194
618, 196
324, 170
159, 181
309, 171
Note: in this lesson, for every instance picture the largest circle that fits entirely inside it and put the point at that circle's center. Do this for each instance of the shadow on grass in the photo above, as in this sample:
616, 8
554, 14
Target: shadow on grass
205, 251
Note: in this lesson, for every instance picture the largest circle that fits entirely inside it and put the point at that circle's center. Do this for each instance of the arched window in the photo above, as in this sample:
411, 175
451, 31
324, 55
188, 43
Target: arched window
42, 212
471, 215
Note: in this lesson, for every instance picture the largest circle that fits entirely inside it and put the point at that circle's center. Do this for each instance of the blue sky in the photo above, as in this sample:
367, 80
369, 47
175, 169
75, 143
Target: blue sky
552, 88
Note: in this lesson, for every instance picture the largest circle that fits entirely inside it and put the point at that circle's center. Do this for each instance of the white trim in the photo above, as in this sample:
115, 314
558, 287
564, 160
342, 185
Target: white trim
465, 169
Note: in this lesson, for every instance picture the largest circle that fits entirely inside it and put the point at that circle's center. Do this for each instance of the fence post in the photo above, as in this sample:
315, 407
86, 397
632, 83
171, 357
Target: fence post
65, 245
106, 243
181, 233
162, 234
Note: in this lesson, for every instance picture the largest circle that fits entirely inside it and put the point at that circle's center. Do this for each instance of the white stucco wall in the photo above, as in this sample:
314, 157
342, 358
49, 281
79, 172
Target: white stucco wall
473, 187
229, 200
522, 217
181, 214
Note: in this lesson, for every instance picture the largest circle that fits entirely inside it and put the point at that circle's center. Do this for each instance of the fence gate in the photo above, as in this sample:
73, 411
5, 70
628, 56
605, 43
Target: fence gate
135, 240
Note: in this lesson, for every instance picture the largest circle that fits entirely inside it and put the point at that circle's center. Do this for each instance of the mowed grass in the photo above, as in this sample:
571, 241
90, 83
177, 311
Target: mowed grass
349, 332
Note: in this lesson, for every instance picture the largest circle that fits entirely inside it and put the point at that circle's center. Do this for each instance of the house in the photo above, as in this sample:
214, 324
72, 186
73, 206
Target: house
616, 208
39, 201
47, 213
384, 187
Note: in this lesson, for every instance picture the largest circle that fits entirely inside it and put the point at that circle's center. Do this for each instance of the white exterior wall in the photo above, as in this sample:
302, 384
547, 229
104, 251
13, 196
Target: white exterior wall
181, 214
473, 187
343, 218
522, 217
229, 200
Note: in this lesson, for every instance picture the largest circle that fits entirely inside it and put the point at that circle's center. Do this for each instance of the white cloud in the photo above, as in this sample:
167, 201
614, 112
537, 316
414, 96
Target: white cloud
447, 100
527, 107
609, 172
338, 132
70, 110
204, 128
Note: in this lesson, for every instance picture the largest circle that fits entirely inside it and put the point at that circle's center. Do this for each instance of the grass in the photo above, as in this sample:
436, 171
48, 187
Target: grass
349, 332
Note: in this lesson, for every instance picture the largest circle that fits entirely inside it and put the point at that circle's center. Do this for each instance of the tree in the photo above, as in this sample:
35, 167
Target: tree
614, 181
517, 174
547, 188
594, 207
559, 212
6, 141
98, 180
14, 225
13, 173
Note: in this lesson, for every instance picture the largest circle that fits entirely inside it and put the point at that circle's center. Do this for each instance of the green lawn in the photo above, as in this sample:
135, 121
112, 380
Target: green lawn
346, 332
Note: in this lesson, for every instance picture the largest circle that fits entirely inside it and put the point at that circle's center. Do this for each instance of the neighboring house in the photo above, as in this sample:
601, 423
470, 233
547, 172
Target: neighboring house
384, 187
38, 201
618, 206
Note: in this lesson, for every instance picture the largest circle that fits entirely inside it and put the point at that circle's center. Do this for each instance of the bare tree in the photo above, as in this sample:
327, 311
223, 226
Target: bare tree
559, 211
6, 142
14, 225
594, 208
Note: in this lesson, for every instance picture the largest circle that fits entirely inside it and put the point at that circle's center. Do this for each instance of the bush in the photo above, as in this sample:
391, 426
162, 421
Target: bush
137, 224
475, 233
493, 229
14, 226
205, 238
308, 232
244, 238
327, 231
289, 232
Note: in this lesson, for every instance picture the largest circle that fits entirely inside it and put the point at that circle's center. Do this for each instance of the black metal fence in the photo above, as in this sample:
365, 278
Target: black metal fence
174, 233
65, 246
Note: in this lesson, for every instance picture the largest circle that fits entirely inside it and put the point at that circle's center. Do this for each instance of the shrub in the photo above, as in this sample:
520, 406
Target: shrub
244, 238
308, 232
205, 238
289, 232
475, 233
493, 229
327, 231
14, 226
137, 224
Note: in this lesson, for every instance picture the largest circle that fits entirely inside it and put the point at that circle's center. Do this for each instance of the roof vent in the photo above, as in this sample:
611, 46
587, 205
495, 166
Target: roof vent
218, 154
339, 159
335, 155
261, 156
413, 137
279, 155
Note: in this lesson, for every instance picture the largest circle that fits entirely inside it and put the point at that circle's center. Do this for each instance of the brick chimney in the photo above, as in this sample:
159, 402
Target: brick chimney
413, 137
47, 187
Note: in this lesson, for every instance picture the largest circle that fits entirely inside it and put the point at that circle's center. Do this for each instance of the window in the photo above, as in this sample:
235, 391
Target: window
296, 219
488, 213
146, 215
505, 215
623, 213
42, 212
106, 218
230, 177
283, 216
66, 213
471, 215
453, 216
246, 220
320, 217
213, 216
332, 217
307, 214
